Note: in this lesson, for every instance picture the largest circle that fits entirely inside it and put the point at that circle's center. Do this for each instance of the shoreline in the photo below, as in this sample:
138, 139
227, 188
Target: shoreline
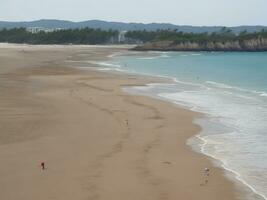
137, 153
159, 80
231, 174
200, 145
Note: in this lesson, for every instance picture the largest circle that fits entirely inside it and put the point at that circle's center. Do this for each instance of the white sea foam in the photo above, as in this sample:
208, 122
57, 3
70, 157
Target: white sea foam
241, 114
225, 86
196, 54
225, 165
148, 58
107, 64
114, 54
230, 111
165, 55
221, 85
226, 108
105, 69
263, 94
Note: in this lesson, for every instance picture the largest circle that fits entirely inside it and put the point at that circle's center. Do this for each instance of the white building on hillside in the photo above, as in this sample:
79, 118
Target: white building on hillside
121, 36
39, 29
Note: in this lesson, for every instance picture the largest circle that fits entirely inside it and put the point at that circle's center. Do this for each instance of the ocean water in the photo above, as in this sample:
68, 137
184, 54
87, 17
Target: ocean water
230, 88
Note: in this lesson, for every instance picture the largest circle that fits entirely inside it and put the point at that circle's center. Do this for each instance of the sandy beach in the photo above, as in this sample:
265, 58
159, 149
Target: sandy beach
97, 142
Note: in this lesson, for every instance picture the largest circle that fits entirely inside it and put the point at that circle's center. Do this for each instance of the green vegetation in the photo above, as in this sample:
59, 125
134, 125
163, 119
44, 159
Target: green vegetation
73, 36
224, 35
98, 36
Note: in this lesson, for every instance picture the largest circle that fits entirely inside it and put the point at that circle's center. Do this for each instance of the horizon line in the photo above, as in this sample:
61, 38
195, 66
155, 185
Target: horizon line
144, 23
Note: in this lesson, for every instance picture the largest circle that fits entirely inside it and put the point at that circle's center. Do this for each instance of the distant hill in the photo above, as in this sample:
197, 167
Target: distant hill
44, 23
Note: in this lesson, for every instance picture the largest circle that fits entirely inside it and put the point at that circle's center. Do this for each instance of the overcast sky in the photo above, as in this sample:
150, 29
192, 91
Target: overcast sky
181, 12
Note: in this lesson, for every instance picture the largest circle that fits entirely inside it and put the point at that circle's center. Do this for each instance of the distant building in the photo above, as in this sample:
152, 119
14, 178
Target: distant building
39, 29
122, 39
121, 36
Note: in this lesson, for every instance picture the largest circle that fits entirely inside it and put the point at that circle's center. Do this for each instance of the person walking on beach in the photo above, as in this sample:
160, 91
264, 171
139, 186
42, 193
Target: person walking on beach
206, 174
42, 165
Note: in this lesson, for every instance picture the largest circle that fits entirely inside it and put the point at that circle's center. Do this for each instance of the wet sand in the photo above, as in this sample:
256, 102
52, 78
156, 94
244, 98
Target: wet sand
97, 142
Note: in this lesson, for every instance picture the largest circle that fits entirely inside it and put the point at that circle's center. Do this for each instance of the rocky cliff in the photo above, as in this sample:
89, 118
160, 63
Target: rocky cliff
257, 44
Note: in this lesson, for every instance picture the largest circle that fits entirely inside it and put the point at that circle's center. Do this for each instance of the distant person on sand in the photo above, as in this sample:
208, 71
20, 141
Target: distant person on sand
43, 165
206, 174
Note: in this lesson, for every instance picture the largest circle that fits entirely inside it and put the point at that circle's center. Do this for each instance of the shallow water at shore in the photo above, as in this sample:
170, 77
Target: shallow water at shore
230, 88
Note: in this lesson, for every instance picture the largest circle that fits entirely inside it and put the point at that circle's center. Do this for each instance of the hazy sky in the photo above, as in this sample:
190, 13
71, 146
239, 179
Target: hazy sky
189, 12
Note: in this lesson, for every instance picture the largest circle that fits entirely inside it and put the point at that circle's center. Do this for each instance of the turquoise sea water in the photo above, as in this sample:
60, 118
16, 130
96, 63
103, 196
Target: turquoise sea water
231, 89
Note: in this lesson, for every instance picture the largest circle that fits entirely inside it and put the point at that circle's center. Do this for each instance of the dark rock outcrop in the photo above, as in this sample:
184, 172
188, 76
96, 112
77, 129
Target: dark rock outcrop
257, 44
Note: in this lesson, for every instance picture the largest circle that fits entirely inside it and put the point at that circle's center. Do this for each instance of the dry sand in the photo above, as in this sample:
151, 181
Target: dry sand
97, 142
